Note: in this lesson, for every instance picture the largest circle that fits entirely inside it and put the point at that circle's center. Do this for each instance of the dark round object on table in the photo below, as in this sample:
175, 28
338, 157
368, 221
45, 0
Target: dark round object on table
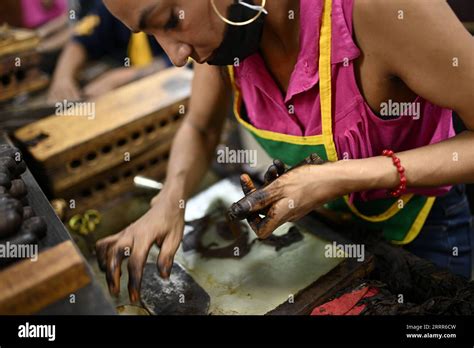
35, 225
7, 201
161, 297
8, 163
20, 168
28, 212
24, 201
10, 221
8, 151
4, 170
18, 189
4, 148
23, 238
5, 180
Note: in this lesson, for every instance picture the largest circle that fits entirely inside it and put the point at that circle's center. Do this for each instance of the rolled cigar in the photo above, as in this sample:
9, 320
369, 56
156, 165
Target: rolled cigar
24, 238
35, 225
10, 221
4, 170
5, 180
8, 163
7, 150
18, 189
28, 212
20, 168
19, 239
7, 201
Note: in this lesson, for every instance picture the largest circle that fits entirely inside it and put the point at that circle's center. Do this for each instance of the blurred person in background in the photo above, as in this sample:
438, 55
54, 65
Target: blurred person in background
100, 36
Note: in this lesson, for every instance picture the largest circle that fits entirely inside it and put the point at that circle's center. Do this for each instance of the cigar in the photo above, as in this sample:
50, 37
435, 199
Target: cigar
10, 221
18, 189
35, 225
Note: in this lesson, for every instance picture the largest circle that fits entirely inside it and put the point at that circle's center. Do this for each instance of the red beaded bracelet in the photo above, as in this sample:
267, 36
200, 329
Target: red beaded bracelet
401, 171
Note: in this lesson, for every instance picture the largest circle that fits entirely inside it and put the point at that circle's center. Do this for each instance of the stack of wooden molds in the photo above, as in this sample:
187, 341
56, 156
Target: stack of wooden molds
19, 62
92, 157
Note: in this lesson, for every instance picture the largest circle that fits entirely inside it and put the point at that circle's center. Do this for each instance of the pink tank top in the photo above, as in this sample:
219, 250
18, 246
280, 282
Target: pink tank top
358, 131
35, 14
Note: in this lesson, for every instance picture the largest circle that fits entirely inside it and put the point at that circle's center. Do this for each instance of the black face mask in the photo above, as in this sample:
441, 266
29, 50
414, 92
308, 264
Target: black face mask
239, 41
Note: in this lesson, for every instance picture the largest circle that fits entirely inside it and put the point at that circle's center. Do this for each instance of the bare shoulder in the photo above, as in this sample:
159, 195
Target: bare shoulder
375, 19
388, 28
380, 11
421, 42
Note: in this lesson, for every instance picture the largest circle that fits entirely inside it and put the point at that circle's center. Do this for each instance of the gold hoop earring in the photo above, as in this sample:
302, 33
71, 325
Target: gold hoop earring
251, 20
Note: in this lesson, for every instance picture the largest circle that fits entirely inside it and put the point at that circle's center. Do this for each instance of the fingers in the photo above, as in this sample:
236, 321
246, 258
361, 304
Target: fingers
136, 264
115, 255
66, 90
274, 171
266, 201
254, 202
270, 175
270, 223
101, 248
311, 159
75, 93
247, 184
280, 166
168, 250
249, 187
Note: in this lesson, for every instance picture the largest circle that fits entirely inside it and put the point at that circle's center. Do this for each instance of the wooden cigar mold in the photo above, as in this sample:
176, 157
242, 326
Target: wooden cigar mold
27, 287
19, 63
93, 158
18, 223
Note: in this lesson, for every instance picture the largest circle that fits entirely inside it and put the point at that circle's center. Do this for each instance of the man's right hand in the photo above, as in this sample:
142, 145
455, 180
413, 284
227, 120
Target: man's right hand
163, 224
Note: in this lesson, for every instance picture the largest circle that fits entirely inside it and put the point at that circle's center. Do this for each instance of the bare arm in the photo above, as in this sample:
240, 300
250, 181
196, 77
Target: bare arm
63, 85
200, 133
52, 26
163, 224
431, 51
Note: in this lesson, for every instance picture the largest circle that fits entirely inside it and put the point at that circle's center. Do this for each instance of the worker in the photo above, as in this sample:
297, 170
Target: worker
328, 77
100, 35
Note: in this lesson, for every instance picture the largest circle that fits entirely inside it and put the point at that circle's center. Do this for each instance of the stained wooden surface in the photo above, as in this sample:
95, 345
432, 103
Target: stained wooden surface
132, 120
321, 291
29, 286
113, 111
343, 275
347, 273
15, 41
106, 186
35, 82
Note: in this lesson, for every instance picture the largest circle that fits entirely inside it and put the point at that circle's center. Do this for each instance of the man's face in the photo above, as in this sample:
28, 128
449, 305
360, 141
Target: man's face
183, 28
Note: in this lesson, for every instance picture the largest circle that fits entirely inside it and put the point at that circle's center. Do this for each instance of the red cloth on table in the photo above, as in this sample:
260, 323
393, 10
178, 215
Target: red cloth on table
346, 304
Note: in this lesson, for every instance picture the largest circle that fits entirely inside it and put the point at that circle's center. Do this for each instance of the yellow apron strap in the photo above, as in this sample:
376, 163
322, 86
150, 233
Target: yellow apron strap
139, 50
326, 120
325, 88
390, 212
418, 224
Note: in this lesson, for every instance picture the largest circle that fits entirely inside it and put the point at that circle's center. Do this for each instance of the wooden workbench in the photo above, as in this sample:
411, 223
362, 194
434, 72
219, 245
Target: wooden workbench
88, 300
